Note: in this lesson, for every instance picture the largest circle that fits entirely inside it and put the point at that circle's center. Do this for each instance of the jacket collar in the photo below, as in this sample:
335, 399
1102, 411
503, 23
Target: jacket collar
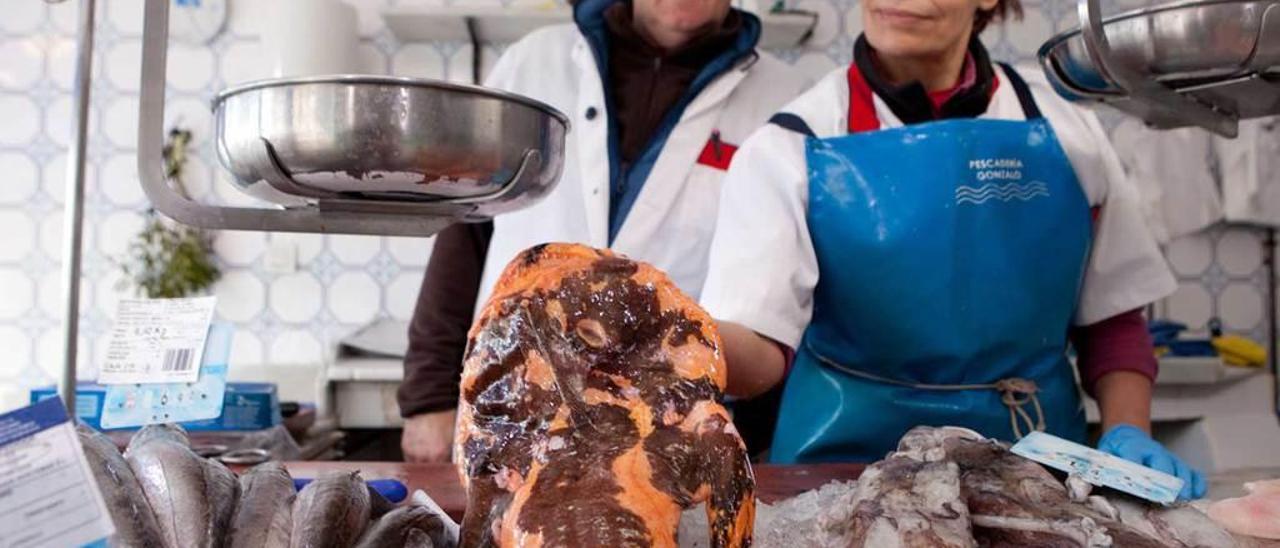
910, 102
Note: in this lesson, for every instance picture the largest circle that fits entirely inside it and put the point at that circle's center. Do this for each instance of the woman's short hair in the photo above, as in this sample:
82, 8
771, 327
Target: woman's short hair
1004, 10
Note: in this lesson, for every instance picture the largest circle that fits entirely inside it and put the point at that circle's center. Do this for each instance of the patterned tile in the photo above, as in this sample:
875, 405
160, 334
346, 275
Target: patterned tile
341, 281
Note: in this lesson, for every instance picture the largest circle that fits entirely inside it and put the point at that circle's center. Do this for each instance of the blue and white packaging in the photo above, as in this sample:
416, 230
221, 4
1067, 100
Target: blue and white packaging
48, 495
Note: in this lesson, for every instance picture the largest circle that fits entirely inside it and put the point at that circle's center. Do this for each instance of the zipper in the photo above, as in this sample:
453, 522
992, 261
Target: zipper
716, 145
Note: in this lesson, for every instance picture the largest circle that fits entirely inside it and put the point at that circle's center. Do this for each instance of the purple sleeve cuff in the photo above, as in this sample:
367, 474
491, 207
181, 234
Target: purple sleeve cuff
1118, 343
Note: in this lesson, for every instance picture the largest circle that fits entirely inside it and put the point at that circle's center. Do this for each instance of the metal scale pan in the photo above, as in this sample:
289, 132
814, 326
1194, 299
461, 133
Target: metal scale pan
1206, 63
357, 154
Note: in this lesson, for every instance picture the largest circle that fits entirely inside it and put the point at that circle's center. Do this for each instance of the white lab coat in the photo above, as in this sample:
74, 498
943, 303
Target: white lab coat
671, 224
763, 265
1249, 167
1172, 171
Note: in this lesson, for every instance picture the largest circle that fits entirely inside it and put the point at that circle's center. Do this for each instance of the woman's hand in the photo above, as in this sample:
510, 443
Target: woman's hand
428, 437
1134, 444
756, 364
1124, 399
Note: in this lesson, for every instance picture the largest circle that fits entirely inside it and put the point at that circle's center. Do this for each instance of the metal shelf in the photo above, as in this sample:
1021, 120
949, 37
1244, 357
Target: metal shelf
494, 25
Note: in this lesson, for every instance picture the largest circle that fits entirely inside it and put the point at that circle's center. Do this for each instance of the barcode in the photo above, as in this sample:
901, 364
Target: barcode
177, 359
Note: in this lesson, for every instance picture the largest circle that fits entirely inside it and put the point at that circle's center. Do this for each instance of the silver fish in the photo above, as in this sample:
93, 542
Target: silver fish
264, 517
193, 498
331, 511
136, 525
408, 526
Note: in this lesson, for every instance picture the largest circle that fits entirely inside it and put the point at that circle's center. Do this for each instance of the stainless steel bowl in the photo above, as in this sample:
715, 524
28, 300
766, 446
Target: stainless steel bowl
1176, 43
387, 140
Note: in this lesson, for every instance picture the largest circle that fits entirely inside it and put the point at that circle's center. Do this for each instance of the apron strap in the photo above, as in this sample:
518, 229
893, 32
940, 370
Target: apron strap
1028, 101
789, 121
1015, 393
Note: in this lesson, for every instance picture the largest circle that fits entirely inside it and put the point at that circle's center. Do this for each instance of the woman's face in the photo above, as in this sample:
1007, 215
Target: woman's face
920, 28
680, 16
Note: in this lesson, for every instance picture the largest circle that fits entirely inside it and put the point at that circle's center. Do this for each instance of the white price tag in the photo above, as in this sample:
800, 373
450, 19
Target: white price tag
157, 341
48, 496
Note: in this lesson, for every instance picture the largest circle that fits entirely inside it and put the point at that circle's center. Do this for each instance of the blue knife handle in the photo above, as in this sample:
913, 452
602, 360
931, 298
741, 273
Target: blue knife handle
390, 489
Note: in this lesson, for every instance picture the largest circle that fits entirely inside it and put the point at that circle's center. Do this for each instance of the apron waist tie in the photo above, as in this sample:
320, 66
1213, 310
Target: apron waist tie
1015, 393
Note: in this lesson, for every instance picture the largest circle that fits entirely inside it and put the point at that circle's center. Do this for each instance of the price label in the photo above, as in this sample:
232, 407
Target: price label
157, 341
48, 496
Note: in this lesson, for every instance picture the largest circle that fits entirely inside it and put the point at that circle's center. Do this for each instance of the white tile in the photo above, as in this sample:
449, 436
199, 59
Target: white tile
196, 177
1240, 306
815, 65
19, 239
226, 188
51, 301
246, 348
17, 293
192, 114
296, 298
57, 121
65, 17
1190, 255
296, 348
21, 118
23, 64
239, 248
244, 61
241, 296
309, 245
21, 178
126, 16
244, 17
1027, 35
117, 231
402, 295
1240, 252
120, 182
109, 288
50, 354
410, 252
124, 65
1191, 305
853, 20
120, 121
17, 349
458, 67
190, 68
372, 60
369, 13
355, 250
418, 61
828, 22
62, 62
354, 298
51, 236
54, 179
22, 17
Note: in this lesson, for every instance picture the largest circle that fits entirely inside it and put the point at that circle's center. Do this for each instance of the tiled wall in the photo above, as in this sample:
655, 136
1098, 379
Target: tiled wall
342, 282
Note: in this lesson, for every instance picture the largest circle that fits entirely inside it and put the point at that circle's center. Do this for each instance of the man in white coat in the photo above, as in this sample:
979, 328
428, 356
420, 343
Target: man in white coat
660, 93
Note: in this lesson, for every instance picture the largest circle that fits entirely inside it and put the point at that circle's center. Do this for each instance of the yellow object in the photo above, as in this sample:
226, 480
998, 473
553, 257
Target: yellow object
1161, 351
1239, 351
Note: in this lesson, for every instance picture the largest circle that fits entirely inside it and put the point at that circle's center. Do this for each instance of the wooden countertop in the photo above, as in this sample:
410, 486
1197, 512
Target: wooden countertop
440, 481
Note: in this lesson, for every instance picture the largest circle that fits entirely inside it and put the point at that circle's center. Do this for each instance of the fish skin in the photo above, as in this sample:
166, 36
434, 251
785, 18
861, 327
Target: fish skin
193, 498
409, 526
136, 525
332, 511
264, 517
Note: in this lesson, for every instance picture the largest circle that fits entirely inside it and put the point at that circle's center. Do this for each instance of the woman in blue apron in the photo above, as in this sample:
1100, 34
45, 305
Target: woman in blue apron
918, 240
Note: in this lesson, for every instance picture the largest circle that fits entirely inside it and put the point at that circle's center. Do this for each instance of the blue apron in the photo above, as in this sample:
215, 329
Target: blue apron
951, 256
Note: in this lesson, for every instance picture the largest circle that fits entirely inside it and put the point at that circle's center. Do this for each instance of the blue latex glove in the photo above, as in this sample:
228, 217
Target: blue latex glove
1132, 444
